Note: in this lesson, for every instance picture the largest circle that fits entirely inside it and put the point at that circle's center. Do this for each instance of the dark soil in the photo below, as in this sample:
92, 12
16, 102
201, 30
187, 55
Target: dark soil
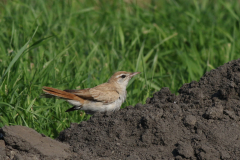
202, 122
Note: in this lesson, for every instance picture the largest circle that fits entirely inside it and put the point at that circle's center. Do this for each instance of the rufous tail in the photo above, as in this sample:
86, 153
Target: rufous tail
62, 94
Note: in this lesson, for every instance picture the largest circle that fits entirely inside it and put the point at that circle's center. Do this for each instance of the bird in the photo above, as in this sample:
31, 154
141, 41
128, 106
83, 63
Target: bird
105, 97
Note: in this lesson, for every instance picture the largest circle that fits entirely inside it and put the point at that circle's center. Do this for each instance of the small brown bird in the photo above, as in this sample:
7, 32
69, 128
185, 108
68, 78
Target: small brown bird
108, 96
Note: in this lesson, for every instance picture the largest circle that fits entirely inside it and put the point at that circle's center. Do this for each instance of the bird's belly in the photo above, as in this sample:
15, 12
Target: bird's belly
100, 107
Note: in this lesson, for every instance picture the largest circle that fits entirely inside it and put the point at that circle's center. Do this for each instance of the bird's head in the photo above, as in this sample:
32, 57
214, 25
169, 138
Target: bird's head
122, 78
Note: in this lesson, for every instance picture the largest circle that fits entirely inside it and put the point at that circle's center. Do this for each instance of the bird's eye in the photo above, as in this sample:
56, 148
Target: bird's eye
123, 76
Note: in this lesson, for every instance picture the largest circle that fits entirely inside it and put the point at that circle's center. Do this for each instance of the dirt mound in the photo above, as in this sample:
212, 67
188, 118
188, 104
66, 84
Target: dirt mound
202, 122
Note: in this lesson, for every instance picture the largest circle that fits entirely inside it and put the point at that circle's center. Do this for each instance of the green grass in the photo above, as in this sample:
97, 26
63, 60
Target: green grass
79, 44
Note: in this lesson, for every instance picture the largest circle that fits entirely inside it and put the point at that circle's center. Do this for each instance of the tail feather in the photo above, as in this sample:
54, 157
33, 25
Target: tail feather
62, 94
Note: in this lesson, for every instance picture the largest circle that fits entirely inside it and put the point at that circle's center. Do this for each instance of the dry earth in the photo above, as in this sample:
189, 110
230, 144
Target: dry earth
202, 122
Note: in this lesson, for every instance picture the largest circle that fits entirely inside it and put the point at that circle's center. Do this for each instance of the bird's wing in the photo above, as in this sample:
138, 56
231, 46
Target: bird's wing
103, 93
83, 93
106, 96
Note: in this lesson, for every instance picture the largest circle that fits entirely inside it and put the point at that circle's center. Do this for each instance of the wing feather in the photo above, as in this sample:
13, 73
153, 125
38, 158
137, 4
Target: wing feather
105, 93
83, 93
106, 96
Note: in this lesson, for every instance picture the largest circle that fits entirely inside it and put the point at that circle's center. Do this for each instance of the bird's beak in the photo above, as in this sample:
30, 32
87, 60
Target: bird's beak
133, 74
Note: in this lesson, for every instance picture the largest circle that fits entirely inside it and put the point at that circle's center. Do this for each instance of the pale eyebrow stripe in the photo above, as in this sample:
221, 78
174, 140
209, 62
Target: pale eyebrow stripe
121, 75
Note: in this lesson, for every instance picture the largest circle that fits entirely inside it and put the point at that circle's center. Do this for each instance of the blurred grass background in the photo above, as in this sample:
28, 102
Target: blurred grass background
80, 43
